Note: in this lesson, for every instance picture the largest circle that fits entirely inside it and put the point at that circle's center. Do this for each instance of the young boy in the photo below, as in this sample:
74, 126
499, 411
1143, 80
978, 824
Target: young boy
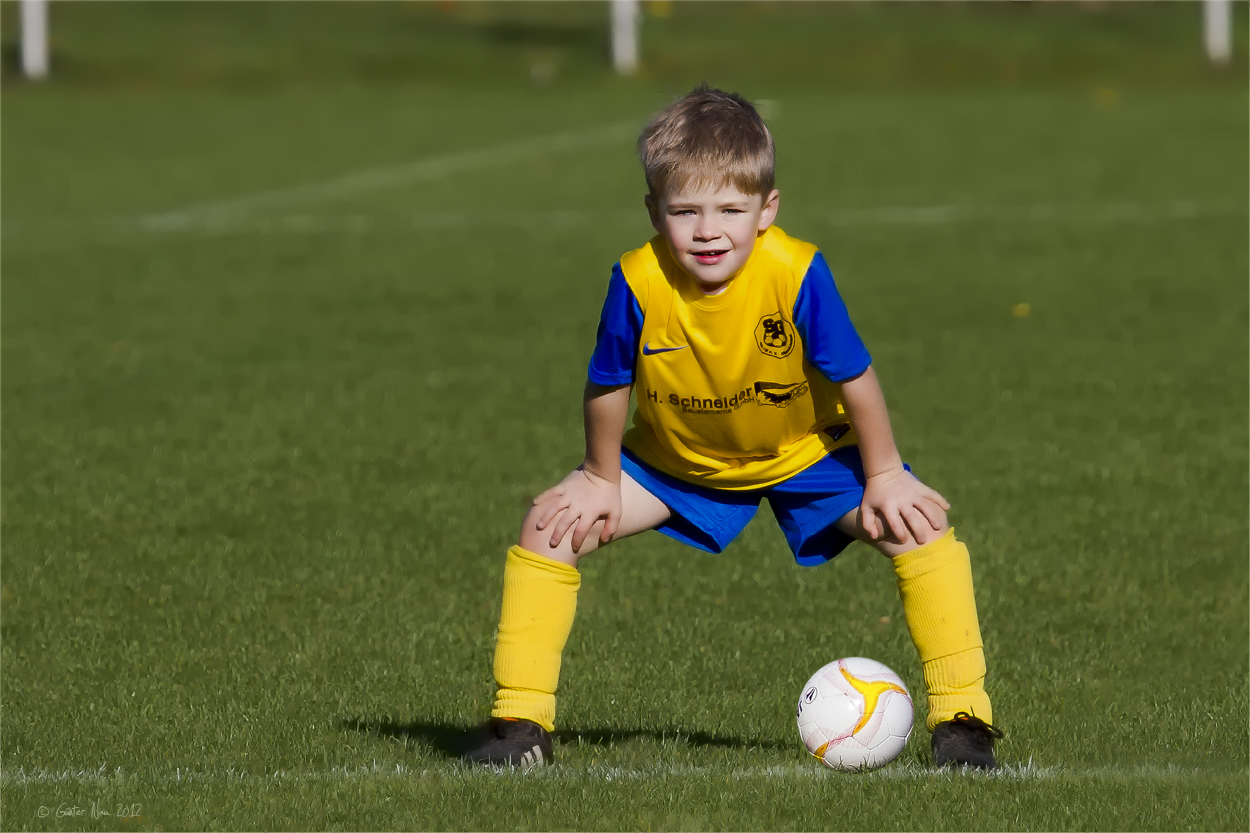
751, 383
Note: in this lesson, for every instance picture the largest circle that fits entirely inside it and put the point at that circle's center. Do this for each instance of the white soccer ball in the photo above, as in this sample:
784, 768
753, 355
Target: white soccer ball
855, 715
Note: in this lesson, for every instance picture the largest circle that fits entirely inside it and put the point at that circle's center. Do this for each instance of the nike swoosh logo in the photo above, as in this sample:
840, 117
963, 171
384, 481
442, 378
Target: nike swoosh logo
648, 350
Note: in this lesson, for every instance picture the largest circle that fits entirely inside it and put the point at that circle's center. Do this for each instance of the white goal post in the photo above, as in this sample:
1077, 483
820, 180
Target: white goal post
1217, 30
34, 38
626, 17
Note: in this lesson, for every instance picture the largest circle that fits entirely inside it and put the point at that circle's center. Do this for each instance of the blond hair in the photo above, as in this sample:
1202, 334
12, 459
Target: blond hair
708, 138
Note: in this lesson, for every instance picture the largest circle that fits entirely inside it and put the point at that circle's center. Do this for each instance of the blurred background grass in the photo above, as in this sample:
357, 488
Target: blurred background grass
562, 46
258, 475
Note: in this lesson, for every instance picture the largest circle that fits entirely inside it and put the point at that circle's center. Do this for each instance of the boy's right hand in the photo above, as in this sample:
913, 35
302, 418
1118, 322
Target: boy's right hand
577, 502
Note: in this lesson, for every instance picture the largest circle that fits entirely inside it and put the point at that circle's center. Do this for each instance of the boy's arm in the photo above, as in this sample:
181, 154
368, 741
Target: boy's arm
593, 490
865, 405
893, 498
604, 410
894, 501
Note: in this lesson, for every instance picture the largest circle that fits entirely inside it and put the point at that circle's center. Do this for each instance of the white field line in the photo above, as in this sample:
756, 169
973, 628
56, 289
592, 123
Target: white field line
807, 771
930, 215
393, 176
242, 223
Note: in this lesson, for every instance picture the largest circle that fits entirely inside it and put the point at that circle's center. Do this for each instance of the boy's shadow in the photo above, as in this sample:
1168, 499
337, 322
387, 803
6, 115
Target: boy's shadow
453, 741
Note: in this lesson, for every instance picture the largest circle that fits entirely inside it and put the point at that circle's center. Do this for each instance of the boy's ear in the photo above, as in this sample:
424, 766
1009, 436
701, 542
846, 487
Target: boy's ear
653, 211
769, 214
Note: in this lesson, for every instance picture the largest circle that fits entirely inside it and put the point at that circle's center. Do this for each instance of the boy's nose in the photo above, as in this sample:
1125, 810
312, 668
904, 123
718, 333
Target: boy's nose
706, 231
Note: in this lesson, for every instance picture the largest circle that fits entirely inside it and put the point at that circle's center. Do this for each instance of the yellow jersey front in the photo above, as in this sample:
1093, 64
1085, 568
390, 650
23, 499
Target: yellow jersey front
737, 390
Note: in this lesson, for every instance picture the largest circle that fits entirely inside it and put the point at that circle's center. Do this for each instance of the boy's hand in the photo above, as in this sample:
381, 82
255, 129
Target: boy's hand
897, 503
581, 498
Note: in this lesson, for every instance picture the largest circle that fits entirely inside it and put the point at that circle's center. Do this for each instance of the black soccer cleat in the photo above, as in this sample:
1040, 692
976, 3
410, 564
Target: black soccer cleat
965, 741
503, 741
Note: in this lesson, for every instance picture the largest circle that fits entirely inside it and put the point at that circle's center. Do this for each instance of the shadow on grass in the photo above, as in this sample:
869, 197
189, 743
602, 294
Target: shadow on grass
452, 741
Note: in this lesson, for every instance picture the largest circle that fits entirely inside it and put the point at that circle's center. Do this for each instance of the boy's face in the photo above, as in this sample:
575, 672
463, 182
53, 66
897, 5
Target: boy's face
711, 233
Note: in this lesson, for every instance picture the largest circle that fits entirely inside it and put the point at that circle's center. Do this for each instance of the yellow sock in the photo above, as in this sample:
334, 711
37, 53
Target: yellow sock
539, 600
935, 584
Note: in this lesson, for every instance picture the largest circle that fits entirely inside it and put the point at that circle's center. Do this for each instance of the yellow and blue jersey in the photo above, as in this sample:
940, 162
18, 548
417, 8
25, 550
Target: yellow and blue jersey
737, 390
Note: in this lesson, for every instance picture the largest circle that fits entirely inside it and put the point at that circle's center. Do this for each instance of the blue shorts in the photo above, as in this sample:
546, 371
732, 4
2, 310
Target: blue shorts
807, 506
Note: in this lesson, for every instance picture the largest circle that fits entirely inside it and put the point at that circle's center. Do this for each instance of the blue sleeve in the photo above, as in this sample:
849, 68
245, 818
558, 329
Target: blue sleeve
829, 338
620, 328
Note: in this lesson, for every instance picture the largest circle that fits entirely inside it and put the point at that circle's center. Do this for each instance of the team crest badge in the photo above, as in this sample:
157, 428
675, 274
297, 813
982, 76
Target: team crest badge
775, 336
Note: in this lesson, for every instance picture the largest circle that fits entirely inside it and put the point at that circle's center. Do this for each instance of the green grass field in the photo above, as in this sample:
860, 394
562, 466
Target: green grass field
297, 301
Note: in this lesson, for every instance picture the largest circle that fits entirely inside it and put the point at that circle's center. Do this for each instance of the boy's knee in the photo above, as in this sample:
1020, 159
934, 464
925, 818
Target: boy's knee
532, 538
538, 541
939, 523
890, 548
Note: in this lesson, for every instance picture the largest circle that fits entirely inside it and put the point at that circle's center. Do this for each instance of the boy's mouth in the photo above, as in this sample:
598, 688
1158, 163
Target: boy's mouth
709, 256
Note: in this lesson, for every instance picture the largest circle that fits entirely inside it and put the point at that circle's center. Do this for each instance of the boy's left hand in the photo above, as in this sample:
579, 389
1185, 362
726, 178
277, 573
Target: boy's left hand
896, 504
